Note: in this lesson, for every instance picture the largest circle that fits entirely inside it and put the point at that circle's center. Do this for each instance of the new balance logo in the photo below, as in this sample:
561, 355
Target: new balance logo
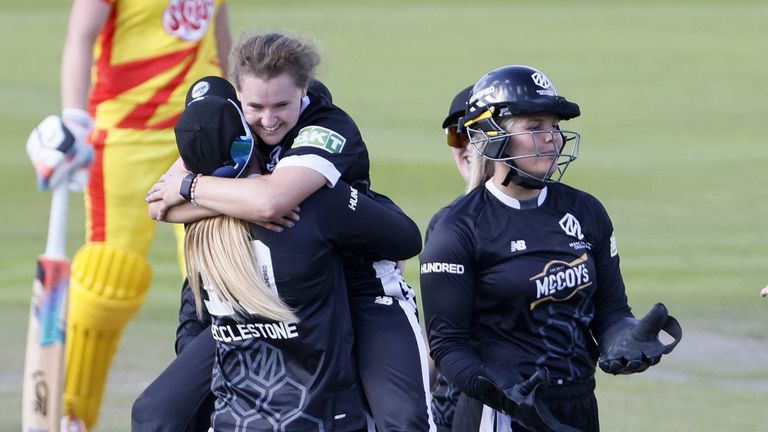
571, 226
517, 245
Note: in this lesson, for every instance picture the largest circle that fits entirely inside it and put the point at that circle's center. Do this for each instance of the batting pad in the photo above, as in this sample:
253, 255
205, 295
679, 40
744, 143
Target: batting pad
107, 287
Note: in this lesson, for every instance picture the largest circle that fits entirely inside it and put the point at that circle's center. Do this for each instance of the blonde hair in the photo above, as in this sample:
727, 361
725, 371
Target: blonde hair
220, 255
271, 54
480, 168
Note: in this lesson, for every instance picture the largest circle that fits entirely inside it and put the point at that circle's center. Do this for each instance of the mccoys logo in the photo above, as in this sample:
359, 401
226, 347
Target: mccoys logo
560, 280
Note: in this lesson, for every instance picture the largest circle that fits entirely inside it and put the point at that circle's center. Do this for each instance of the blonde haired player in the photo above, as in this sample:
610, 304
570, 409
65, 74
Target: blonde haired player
126, 67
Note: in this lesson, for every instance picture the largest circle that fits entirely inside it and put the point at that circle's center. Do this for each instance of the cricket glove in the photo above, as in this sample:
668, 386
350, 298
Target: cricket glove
521, 401
633, 346
59, 150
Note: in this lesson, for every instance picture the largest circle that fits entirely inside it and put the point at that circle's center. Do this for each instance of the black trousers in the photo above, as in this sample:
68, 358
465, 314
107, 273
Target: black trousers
573, 404
391, 357
180, 399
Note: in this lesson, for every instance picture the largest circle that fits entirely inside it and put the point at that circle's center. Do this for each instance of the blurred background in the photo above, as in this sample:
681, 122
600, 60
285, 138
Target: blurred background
673, 98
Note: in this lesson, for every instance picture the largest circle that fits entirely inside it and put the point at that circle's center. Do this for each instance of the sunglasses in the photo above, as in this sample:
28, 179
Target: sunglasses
456, 139
240, 151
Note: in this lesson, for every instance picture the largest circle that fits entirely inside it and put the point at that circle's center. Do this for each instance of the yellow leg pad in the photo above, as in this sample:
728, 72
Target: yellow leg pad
107, 287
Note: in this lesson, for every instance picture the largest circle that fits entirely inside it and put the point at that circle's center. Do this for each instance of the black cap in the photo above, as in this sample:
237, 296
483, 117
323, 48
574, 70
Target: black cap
211, 86
458, 105
213, 137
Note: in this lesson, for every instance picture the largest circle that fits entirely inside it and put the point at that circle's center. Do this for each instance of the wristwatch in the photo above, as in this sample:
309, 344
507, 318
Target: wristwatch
186, 186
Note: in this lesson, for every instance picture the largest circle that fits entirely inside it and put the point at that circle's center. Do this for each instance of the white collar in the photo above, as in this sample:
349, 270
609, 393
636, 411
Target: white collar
508, 200
304, 104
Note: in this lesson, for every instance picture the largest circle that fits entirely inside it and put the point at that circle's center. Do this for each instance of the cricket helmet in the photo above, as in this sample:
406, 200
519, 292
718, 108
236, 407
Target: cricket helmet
516, 90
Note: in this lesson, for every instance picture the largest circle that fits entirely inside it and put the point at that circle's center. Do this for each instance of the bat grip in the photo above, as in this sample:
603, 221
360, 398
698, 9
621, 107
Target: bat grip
56, 245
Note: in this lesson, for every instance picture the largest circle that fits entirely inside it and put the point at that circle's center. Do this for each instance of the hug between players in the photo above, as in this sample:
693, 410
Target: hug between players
295, 314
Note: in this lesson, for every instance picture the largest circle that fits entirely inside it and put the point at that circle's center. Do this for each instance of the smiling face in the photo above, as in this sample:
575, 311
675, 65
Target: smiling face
271, 106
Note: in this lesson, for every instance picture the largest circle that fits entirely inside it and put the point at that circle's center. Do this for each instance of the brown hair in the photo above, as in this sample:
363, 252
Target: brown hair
271, 54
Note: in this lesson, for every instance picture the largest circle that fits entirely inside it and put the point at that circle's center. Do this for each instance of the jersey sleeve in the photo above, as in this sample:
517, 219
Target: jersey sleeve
190, 325
355, 222
330, 143
610, 298
447, 290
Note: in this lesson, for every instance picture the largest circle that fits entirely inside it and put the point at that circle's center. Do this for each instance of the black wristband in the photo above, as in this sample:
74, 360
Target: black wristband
186, 187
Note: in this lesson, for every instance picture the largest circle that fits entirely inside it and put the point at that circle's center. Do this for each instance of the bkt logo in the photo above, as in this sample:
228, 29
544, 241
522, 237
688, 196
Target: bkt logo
571, 226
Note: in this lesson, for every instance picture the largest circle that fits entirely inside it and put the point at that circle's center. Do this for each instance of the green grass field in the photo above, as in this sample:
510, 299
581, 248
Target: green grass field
673, 97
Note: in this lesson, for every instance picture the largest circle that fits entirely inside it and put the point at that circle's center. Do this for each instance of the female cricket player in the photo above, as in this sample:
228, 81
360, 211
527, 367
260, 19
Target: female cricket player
308, 144
520, 277
278, 303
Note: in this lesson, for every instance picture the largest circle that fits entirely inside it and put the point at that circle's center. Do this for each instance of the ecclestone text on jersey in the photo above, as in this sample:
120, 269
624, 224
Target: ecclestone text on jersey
239, 332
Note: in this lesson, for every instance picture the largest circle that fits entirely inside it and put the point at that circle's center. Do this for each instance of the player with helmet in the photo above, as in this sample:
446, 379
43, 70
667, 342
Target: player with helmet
308, 143
126, 66
520, 278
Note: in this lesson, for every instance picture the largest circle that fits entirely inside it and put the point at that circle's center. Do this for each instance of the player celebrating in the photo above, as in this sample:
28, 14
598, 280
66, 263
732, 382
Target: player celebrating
280, 364
143, 55
521, 273
309, 143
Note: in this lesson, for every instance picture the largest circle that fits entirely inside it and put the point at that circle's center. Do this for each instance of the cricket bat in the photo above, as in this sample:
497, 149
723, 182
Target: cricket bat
43, 384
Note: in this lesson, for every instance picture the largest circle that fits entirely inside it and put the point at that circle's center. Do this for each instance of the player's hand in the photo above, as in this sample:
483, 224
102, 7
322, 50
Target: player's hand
521, 401
59, 150
636, 346
279, 225
166, 191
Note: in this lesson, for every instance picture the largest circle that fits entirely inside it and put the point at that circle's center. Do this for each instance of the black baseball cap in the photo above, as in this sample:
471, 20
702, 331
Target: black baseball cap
458, 105
213, 137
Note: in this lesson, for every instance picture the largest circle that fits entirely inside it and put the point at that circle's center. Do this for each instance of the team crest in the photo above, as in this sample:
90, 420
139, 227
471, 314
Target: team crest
317, 136
571, 226
188, 19
542, 81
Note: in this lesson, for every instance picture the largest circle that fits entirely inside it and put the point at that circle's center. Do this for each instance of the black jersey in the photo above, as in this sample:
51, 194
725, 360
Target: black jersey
325, 139
301, 376
344, 156
520, 288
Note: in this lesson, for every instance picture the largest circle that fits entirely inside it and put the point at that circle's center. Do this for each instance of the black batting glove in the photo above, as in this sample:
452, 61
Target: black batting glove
521, 400
634, 346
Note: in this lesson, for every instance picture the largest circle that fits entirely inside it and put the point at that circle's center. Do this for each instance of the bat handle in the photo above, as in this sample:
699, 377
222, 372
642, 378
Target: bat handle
56, 246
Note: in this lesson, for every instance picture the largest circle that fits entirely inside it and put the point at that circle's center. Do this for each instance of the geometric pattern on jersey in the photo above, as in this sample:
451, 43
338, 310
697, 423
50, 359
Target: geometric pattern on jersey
261, 370
444, 398
561, 321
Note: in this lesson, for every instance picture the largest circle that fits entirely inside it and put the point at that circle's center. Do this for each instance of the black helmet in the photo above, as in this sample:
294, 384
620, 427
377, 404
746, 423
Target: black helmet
511, 91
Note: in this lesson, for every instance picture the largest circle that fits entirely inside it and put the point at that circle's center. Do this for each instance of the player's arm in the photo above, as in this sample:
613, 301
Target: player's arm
58, 146
255, 199
86, 20
447, 297
627, 345
223, 37
373, 227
